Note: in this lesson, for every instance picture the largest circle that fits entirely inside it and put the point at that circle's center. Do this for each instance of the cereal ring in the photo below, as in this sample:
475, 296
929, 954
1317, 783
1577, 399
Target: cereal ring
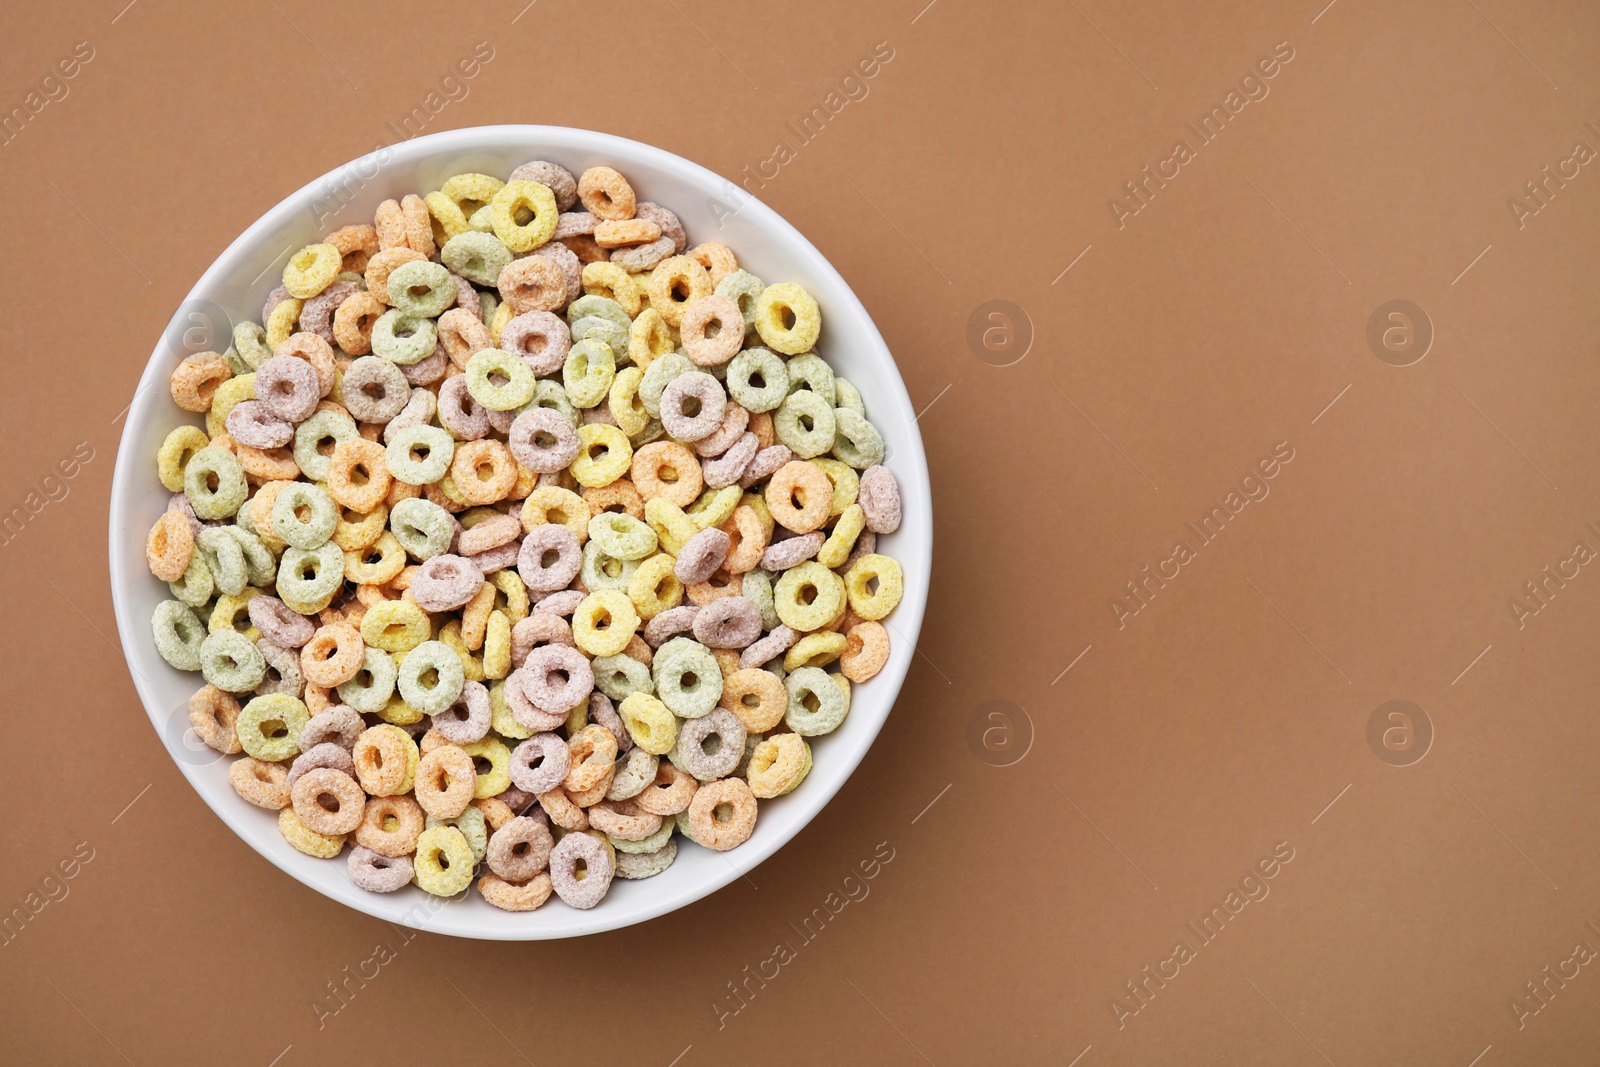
404, 339
856, 441
282, 322
378, 873
419, 455
879, 497
212, 714
266, 785
606, 194
214, 483
395, 625
549, 558
499, 380
787, 318
635, 865
353, 322
170, 546
474, 829
571, 268
356, 244
523, 214
308, 578
445, 782
815, 650
269, 726
604, 455
866, 652
385, 759
541, 338
310, 270
592, 751
431, 677
692, 406
687, 678
252, 423
667, 470
728, 432
303, 515
445, 583
176, 451
316, 316
543, 441
757, 697
604, 623
777, 765
282, 673
358, 478
372, 685
806, 424
422, 527
866, 601
374, 389
701, 555
540, 763
520, 850
307, 840
390, 825
580, 869
619, 233
464, 417
317, 437
816, 703
622, 821
421, 288
337, 725
709, 747
770, 647
676, 282
333, 656
712, 329
809, 597
443, 863
467, 718
791, 551
722, 814
554, 177
227, 659
483, 471
621, 535
327, 800
728, 622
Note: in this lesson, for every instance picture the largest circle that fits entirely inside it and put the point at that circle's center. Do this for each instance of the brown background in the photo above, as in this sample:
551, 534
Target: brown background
1176, 352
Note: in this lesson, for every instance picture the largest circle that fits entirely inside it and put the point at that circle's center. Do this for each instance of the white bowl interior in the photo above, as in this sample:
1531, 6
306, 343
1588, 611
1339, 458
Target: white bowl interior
233, 289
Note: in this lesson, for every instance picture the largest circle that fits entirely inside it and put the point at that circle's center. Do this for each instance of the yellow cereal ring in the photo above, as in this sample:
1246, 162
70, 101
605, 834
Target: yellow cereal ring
395, 626
230, 610
497, 646
671, 525
229, 395
511, 595
496, 778
677, 282
397, 711
281, 323
846, 482
714, 506
179, 447
815, 650
497, 322
604, 278
309, 270
864, 601
377, 563
471, 666
836, 549
470, 191
654, 587
624, 403
649, 338
604, 622
604, 455
530, 202
500, 717
650, 723
787, 318
269, 727
355, 531
827, 596
448, 219
778, 764
551, 503
443, 862
307, 840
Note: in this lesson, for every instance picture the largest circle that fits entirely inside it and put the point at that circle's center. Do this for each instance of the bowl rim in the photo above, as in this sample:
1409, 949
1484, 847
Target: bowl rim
910, 467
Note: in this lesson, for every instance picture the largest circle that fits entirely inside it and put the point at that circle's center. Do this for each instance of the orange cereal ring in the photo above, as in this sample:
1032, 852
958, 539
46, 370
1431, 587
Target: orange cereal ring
668, 470
761, 426
328, 801
353, 321
562, 811
483, 471
676, 282
717, 258
669, 793
533, 283
713, 332
756, 697
584, 247
446, 780
170, 546
212, 713
196, 379
722, 814
333, 655
719, 585
383, 756
418, 224
267, 464
266, 785
607, 194
866, 651
382, 265
748, 537
592, 750
358, 477
508, 896
621, 495
356, 245
623, 232
390, 826
799, 495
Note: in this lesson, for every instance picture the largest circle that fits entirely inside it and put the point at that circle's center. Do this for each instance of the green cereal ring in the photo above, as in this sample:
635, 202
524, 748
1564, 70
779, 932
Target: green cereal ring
430, 677
310, 576
369, 691
214, 483
816, 703
515, 391
421, 288
599, 306
259, 561
196, 585
743, 288
314, 528
404, 339
317, 437
688, 680
250, 340
657, 376
245, 519
756, 587
619, 677
179, 634
601, 570
856, 441
422, 527
549, 394
230, 660
482, 220
810, 372
654, 843
805, 423
488, 304
621, 535
476, 256
269, 727
846, 395
588, 372
224, 557
420, 454
236, 362
758, 379
604, 330
473, 827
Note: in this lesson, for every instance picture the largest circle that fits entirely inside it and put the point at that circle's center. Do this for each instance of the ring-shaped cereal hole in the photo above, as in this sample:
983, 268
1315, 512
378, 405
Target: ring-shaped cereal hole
443, 864
483, 471
675, 283
445, 782
356, 244
722, 814
404, 339
266, 785
395, 626
369, 689
778, 765
377, 873
523, 214
711, 746
303, 515
609, 280
667, 470
353, 322
712, 330
328, 801
581, 869
809, 597
309, 270
874, 585
606, 194
787, 318
692, 406
390, 825
816, 703
269, 727
385, 758
799, 496
499, 380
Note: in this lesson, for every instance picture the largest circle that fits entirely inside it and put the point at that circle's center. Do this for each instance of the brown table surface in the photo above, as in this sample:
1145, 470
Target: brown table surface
1069, 786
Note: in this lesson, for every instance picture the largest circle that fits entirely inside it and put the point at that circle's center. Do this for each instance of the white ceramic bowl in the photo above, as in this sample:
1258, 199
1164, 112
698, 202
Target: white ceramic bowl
233, 289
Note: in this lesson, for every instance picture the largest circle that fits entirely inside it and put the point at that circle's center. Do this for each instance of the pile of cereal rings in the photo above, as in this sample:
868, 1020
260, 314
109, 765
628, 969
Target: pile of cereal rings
519, 535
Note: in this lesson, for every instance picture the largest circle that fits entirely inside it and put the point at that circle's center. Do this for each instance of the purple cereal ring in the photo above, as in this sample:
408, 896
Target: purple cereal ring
768, 648
463, 416
467, 720
523, 709
692, 406
668, 624
599, 413
179, 502
603, 712
866, 545
520, 849
701, 555
274, 298
326, 754
489, 533
552, 176
556, 678
562, 602
539, 628
637, 258
729, 467
791, 551
495, 559
339, 724
541, 338
379, 874
879, 497
671, 225
567, 260
574, 224
466, 297
417, 412
316, 314
445, 583
734, 421
253, 423
429, 370
278, 623
765, 464
540, 763
585, 889
543, 440
374, 390
518, 800
690, 752
549, 558
728, 622
289, 387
